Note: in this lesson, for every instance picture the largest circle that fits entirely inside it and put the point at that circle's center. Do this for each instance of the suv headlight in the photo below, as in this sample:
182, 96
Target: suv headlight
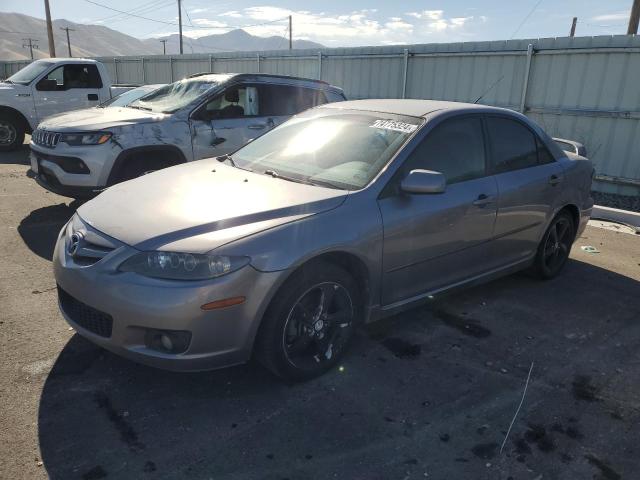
77, 139
182, 266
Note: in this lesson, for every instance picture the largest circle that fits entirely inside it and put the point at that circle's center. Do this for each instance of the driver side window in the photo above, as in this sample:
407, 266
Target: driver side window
454, 148
235, 102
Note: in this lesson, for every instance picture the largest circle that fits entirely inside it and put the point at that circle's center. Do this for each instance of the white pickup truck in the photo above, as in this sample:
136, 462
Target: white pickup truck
46, 87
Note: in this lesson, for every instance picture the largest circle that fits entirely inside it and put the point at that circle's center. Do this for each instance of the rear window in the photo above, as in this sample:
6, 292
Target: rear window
280, 100
513, 146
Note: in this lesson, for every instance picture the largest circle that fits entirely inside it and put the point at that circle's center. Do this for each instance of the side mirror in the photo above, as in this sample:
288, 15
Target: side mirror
423, 181
47, 85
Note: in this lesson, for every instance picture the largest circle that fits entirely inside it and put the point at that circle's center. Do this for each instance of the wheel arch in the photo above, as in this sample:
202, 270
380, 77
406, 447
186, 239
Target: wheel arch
170, 151
574, 211
4, 109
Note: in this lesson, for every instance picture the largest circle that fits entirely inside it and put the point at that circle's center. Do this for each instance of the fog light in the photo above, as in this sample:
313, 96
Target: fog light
167, 341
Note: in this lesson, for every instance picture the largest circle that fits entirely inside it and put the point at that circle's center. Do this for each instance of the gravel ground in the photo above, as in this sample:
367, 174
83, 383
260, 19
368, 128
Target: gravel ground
623, 202
427, 394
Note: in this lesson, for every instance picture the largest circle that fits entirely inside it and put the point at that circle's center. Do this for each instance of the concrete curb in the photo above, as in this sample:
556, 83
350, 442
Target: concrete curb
616, 215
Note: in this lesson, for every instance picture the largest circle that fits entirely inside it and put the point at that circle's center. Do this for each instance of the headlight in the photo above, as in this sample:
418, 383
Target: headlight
76, 139
182, 266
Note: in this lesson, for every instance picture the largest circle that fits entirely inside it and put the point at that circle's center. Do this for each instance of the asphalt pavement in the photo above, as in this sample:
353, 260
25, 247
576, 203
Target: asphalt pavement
427, 394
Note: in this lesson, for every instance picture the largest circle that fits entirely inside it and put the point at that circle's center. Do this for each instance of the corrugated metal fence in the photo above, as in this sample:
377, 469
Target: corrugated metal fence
583, 88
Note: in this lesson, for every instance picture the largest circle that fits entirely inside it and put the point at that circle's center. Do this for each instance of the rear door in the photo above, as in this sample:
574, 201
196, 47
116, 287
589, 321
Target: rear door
529, 181
435, 240
77, 86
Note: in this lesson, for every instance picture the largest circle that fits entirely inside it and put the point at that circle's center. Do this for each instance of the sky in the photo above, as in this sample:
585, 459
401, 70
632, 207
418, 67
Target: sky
348, 23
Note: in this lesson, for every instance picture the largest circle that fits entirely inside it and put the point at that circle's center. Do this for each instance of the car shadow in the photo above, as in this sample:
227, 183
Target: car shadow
104, 416
19, 156
39, 230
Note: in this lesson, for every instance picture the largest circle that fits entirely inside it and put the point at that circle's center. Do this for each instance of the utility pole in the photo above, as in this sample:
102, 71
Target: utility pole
164, 47
634, 18
573, 27
290, 33
180, 22
68, 41
52, 47
30, 44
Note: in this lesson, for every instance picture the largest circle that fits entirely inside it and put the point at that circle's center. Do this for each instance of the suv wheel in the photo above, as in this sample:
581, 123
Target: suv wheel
11, 132
555, 246
309, 323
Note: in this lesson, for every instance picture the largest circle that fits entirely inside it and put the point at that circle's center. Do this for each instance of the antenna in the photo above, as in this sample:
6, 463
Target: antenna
489, 89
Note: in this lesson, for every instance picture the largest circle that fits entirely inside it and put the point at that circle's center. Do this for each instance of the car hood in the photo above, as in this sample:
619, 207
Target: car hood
90, 119
8, 90
199, 206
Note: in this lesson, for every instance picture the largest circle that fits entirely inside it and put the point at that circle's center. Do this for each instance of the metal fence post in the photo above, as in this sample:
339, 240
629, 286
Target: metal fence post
258, 57
115, 66
210, 63
171, 67
144, 74
319, 65
405, 68
525, 84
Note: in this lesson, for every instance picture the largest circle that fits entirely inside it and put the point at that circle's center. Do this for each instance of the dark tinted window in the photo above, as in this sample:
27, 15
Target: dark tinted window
76, 76
513, 145
455, 148
279, 100
544, 155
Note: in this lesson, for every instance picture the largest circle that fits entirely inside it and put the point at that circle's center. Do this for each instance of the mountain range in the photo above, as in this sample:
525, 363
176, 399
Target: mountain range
101, 41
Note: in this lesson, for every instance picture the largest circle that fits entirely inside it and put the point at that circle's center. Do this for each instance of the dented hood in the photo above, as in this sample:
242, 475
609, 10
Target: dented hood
91, 119
201, 205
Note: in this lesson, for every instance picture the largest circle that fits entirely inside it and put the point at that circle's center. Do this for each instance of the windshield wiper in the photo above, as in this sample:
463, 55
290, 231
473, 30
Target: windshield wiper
275, 174
7, 81
226, 156
139, 107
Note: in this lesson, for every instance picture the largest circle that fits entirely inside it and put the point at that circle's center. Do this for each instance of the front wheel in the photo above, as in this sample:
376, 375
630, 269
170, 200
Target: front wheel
309, 323
555, 246
11, 133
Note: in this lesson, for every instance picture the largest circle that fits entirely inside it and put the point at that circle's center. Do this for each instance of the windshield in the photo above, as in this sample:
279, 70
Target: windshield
28, 73
126, 98
338, 148
175, 96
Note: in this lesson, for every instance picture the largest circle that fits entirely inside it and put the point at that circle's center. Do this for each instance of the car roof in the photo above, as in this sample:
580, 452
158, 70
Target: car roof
255, 76
413, 108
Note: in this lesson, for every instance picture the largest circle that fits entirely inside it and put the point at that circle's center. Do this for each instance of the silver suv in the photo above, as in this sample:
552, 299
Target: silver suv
79, 154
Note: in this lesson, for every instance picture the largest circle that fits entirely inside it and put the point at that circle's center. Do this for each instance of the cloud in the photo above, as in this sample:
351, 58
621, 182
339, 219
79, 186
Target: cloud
349, 28
611, 17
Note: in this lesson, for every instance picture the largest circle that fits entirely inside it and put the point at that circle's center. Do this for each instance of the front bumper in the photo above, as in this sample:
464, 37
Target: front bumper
219, 338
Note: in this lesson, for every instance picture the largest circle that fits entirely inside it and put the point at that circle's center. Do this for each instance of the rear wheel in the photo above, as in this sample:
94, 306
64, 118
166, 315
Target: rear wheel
11, 132
555, 246
310, 322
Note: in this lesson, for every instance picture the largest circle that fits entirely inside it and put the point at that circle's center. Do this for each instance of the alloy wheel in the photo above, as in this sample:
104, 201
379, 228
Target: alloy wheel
7, 133
558, 244
318, 326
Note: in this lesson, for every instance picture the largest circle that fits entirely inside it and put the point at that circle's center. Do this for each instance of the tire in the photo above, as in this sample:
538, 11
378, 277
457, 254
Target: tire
12, 132
298, 339
555, 247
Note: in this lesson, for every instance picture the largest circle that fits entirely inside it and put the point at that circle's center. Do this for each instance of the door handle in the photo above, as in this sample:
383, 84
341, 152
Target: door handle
92, 96
257, 126
554, 180
483, 200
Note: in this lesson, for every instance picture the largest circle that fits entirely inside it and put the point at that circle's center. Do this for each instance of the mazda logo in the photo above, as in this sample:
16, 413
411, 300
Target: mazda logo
74, 244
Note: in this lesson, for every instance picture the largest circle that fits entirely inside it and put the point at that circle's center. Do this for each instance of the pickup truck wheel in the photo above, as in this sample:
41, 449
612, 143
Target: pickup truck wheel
11, 133
553, 251
309, 323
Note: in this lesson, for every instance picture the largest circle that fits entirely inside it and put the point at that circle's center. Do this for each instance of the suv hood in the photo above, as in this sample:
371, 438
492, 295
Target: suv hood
90, 119
199, 206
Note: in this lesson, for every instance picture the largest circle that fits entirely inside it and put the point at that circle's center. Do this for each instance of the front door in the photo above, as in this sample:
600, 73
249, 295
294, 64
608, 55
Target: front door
435, 240
69, 87
228, 121
529, 181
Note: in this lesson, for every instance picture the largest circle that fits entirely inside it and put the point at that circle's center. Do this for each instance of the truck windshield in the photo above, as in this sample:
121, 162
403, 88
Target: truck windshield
175, 96
342, 149
30, 72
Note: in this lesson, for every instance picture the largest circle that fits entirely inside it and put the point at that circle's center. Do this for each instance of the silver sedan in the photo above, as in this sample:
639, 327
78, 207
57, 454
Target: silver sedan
343, 215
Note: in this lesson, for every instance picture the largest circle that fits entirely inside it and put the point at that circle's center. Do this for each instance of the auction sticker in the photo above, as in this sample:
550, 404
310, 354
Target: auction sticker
395, 126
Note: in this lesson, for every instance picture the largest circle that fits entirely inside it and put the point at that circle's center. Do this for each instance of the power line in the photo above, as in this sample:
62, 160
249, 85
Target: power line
524, 20
31, 45
175, 24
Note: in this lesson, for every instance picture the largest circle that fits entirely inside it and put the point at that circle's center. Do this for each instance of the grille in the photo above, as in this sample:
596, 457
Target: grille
45, 139
87, 317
